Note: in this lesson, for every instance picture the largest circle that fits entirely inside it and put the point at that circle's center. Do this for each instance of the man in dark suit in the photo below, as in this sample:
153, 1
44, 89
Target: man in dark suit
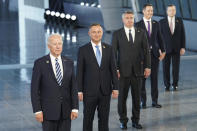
156, 45
96, 79
53, 90
130, 45
173, 32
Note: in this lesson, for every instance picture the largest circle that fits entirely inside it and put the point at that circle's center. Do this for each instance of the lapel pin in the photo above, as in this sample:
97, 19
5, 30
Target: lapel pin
153, 22
103, 46
177, 21
47, 62
138, 30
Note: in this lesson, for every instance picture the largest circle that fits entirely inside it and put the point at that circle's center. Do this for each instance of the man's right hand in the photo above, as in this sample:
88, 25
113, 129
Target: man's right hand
118, 73
39, 117
80, 96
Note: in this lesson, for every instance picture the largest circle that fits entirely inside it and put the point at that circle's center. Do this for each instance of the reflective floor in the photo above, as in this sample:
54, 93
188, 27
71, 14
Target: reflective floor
23, 41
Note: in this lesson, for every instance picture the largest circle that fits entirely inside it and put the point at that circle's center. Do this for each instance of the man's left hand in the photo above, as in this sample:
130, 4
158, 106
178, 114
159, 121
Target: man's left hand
73, 115
182, 51
115, 94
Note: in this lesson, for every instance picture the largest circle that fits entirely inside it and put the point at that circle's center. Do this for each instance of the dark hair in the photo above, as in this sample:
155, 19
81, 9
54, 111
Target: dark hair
170, 5
94, 24
127, 12
145, 5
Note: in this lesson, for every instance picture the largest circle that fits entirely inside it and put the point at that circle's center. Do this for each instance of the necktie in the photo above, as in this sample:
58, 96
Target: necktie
58, 72
130, 37
98, 55
149, 32
171, 26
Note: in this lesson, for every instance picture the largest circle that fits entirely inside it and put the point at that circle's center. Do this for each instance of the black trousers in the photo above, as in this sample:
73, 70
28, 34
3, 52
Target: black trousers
102, 104
57, 125
154, 82
173, 58
125, 83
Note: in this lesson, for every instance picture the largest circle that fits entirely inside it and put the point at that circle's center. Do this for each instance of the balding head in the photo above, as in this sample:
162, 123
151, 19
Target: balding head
55, 44
54, 37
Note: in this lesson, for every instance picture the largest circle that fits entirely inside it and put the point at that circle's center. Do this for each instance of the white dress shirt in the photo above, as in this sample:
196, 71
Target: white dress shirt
53, 61
173, 22
94, 47
146, 23
53, 64
132, 32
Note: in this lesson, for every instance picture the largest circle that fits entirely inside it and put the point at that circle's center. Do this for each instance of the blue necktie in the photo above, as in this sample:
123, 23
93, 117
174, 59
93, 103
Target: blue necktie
98, 55
58, 72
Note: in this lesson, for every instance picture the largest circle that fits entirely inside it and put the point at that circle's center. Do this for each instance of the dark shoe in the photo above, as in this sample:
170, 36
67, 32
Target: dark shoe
123, 126
175, 88
156, 105
167, 88
137, 126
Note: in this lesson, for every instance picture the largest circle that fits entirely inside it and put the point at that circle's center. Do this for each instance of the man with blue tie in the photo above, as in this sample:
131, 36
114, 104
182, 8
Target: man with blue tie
96, 79
53, 89
157, 50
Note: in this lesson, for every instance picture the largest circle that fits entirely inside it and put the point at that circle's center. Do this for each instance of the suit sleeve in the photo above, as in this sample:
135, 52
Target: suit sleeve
74, 92
182, 35
160, 39
35, 87
80, 70
114, 71
145, 46
116, 49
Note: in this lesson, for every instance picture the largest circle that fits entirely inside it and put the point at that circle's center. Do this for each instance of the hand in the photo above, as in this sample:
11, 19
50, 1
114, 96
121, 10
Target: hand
39, 117
73, 115
162, 55
147, 72
80, 96
118, 73
115, 94
182, 51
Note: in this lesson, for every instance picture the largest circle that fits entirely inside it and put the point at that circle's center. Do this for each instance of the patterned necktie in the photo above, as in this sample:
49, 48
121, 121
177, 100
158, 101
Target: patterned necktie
58, 72
171, 26
149, 32
130, 37
98, 55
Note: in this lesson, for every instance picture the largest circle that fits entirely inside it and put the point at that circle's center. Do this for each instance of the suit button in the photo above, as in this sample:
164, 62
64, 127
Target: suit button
61, 98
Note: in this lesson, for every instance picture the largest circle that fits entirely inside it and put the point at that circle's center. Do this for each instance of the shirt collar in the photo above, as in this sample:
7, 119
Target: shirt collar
53, 57
93, 44
169, 18
127, 29
147, 19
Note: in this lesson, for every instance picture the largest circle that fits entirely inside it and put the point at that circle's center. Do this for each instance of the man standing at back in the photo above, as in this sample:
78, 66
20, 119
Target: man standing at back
96, 79
173, 32
157, 50
131, 46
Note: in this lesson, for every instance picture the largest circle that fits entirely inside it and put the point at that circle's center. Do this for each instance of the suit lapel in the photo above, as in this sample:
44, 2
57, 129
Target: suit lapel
144, 27
50, 68
167, 26
124, 36
64, 68
136, 35
103, 54
92, 54
176, 24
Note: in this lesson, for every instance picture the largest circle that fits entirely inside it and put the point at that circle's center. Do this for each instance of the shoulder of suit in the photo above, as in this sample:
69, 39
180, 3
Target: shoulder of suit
138, 29
154, 21
119, 30
84, 46
41, 59
105, 45
163, 20
65, 58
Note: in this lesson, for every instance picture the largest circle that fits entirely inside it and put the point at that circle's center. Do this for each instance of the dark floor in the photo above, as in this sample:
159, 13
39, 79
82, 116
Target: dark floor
22, 43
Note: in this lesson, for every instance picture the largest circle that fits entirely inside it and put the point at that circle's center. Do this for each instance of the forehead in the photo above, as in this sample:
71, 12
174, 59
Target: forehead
148, 8
93, 28
171, 7
128, 15
55, 39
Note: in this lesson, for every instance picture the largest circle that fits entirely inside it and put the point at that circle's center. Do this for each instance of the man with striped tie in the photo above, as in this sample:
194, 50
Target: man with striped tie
97, 79
53, 90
